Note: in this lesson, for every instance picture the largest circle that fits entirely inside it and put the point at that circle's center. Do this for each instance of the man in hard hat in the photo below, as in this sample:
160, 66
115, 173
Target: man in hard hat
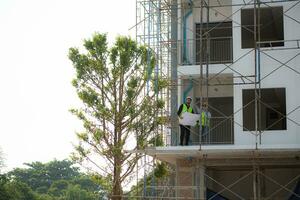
185, 130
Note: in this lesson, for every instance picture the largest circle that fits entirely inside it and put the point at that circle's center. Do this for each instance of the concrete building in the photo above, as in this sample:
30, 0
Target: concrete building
242, 57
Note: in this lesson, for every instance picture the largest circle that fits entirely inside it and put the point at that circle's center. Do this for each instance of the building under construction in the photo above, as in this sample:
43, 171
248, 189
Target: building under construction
242, 58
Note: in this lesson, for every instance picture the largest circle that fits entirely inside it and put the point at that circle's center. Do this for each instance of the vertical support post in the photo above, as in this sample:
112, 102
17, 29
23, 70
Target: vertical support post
202, 182
177, 180
256, 183
174, 91
256, 79
262, 183
201, 68
207, 62
173, 182
197, 181
258, 71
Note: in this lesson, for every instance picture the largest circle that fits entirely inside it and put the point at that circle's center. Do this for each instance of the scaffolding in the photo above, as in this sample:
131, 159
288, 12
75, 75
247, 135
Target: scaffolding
162, 26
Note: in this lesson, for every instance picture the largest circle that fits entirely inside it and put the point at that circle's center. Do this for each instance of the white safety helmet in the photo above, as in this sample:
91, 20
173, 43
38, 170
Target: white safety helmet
189, 97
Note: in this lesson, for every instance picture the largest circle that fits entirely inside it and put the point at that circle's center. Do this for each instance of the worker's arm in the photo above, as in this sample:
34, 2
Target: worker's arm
179, 110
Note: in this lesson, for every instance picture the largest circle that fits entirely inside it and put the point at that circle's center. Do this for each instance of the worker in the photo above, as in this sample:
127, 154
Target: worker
205, 122
185, 130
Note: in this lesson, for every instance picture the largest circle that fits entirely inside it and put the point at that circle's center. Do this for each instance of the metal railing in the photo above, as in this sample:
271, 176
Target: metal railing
220, 51
220, 131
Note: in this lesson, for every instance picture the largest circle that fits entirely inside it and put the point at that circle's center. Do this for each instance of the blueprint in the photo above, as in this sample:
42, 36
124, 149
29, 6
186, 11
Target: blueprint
189, 119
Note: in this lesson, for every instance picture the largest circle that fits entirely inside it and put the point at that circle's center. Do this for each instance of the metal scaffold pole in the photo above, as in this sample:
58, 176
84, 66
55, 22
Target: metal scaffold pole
256, 79
207, 62
174, 78
201, 69
160, 25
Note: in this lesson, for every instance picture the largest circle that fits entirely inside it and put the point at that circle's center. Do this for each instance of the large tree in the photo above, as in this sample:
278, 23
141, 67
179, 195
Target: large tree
52, 180
119, 91
39, 175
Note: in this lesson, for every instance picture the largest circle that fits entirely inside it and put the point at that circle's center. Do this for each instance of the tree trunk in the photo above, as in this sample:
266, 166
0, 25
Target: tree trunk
117, 191
117, 187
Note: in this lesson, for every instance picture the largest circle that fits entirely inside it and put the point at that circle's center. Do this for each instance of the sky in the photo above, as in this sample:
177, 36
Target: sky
35, 73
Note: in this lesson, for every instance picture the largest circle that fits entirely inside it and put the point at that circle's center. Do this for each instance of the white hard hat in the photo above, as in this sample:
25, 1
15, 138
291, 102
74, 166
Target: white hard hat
189, 97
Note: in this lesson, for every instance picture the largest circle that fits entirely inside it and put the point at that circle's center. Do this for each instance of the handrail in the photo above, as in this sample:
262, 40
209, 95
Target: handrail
220, 50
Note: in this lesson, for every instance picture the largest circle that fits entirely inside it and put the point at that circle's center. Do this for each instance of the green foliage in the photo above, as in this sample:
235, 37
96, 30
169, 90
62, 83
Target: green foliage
76, 193
156, 177
87, 183
138, 190
161, 170
42, 190
160, 103
39, 175
157, 140
111, 83
46, 197
19, 191
4, 195
160, 84
162, 120
58, 188
56, 180
3, 180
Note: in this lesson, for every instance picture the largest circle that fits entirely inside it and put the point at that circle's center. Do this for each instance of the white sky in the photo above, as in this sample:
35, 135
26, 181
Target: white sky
35, 73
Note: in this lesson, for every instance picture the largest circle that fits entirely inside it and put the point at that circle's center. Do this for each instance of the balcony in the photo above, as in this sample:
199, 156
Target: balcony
220, 51
215, 48
221, 132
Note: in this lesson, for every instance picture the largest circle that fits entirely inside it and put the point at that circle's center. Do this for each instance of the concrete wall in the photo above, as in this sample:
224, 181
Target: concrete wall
285, 76
185, 179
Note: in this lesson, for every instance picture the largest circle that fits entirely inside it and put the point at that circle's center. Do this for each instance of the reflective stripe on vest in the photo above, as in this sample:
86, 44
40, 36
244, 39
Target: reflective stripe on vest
185, 109
204, 119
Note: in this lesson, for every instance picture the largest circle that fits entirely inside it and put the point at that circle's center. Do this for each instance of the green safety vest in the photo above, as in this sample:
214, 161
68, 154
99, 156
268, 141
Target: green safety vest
204, 119
185, 109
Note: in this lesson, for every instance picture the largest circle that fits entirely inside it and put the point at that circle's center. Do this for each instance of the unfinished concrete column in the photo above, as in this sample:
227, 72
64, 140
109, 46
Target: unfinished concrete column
199, 181
176, 179
196, 182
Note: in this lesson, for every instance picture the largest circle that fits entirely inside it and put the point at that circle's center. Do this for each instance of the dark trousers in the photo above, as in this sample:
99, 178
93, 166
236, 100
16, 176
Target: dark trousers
184, 134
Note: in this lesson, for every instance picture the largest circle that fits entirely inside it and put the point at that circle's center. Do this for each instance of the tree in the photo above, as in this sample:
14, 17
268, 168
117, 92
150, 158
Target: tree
41, 175
3, 180
45, 197
111, 83
58, 188
87, 183
19, 191
76, 193
3, 193
49, 181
